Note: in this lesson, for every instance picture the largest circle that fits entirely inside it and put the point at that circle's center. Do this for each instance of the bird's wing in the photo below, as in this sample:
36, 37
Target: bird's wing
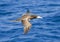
27, 26
26, 29
17, 20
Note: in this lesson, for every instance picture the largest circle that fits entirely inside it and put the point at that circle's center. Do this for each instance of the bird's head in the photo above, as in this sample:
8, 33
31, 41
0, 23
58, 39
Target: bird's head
39, 17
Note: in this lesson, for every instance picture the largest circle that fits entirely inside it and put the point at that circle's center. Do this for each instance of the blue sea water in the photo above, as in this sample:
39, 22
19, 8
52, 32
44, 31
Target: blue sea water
46, 29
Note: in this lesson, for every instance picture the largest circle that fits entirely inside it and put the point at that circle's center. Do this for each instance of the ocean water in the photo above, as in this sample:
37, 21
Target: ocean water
46, 29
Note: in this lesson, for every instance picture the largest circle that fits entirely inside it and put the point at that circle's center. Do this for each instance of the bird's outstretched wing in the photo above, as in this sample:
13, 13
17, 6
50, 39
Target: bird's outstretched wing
26, 29
27, 26
17, 20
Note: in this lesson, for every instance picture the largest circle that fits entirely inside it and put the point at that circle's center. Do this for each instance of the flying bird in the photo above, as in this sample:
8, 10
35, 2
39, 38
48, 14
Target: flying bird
25, 20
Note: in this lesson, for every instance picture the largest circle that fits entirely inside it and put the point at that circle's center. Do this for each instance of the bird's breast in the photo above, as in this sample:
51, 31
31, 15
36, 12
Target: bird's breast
25, 22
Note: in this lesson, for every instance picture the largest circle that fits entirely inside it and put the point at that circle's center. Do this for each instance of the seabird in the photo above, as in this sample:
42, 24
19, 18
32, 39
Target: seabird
25, 20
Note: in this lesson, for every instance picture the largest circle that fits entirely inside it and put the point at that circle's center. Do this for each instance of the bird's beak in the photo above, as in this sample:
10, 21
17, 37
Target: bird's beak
39, 17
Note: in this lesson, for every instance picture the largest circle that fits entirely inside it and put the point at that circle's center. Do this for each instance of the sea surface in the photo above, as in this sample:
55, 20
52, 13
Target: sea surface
46, 29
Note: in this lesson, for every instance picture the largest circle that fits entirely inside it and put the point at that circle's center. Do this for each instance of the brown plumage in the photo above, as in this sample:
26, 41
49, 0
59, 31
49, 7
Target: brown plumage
25, 21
